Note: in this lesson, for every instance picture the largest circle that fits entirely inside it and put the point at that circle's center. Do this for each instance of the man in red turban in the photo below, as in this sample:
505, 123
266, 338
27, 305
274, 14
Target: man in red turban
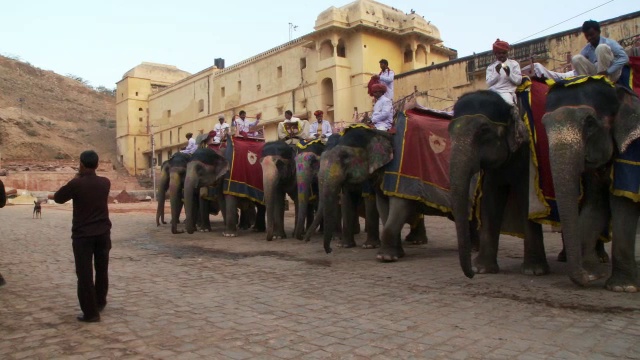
321, 128
504, 75
382, 116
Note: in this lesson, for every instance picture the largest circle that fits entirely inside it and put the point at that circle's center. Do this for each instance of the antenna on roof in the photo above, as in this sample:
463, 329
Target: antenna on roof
292, 28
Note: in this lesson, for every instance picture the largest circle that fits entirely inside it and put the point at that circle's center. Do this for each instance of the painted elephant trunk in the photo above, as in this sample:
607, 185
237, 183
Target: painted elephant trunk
190, 202
567, 164
461, 173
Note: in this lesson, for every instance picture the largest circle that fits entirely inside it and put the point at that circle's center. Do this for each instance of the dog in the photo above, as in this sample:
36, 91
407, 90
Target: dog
37, 210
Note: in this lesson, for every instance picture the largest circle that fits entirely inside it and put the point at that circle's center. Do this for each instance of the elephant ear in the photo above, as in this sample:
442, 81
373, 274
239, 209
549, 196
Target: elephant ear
379, 151
626, 126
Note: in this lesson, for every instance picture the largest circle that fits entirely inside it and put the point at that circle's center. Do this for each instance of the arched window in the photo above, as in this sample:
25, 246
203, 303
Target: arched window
408, 55
326, 50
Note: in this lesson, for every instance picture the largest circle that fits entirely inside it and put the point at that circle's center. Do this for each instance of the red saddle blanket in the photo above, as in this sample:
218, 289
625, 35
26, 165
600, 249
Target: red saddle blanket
245, 175
420, 166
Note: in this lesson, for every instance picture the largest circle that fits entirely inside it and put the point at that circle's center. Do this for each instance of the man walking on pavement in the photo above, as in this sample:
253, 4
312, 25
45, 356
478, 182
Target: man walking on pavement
90, 232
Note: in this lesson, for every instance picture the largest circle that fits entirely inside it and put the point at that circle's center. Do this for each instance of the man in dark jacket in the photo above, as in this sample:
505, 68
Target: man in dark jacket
90, 232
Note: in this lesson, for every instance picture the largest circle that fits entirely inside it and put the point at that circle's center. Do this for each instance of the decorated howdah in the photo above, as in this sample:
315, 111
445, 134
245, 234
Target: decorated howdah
420, 166
244, 178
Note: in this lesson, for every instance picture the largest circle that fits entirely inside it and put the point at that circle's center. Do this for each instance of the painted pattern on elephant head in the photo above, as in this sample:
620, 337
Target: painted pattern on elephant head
307, 168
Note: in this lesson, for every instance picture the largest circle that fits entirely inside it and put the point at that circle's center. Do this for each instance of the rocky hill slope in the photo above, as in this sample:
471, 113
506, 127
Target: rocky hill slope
46, 116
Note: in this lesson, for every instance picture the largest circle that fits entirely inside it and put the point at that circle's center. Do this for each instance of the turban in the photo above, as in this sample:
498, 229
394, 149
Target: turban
379, 87
212, 133
500, 45
317, 113
221, 117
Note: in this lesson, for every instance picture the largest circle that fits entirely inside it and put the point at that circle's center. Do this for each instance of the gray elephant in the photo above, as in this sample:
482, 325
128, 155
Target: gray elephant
205, 170
485, 136
172, 179
279, 179
588, 125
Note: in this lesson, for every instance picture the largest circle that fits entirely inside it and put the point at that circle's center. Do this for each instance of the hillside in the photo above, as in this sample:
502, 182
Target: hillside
60, 117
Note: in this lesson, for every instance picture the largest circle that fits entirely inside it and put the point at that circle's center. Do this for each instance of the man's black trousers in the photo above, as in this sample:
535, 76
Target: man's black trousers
85, 250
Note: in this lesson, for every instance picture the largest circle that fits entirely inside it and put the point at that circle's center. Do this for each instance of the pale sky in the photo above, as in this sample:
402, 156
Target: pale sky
101, 40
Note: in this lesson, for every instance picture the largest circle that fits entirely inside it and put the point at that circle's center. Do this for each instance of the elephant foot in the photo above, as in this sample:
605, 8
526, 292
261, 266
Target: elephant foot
533, 268
390, 254
416, 239
206, 230
620, 283
229, 234
174, 230
562, 256
485, 267
347, 244
584, 277
371, 244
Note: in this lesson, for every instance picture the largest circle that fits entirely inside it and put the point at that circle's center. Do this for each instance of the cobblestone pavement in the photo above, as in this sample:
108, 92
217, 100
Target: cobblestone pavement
203, 296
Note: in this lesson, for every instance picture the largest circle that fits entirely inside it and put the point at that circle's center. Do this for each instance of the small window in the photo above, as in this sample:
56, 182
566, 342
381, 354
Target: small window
222, 91
279, 71
170, 137
280, 110
136, 93
303, 63
258, 87
239, 85
140, 109
169, 154
140, 119
200, 105
408, 56
168, 113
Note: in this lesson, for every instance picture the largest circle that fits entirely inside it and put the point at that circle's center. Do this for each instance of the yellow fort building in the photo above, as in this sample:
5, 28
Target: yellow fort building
327, 69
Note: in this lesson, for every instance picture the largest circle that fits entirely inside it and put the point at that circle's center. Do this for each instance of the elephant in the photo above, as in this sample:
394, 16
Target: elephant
307, 163
205, 169
172, 179
486, 136
279, 179
588, 126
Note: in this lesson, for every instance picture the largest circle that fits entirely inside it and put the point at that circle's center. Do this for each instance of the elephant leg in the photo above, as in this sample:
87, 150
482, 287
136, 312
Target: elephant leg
594, 218
624, 269
391, 247
372, 220
349, 203
204, 215
492, 206
278, 216
231, 223
2, 281
260, 223
418, 233
310, 215
535, 257
601, 252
